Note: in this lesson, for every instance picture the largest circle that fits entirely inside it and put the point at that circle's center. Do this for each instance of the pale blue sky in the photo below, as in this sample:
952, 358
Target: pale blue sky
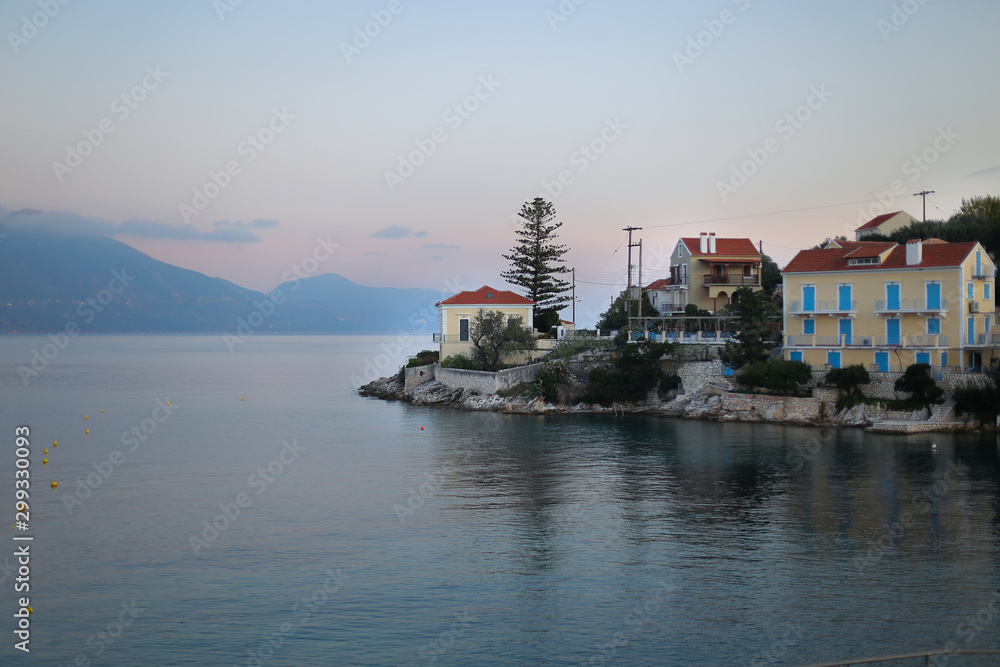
677, 132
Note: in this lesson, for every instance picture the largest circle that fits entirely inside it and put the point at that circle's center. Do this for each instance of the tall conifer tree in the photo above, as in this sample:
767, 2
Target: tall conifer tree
536, 262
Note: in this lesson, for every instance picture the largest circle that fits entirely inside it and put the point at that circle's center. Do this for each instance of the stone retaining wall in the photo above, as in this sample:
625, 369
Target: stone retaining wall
481, 382
758, 407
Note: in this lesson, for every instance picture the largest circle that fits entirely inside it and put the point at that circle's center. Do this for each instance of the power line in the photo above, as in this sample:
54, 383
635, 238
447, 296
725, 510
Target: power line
760, 215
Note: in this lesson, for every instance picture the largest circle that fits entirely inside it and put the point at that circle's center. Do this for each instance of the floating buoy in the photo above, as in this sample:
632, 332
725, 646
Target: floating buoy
55, 443
46, 451
55, 484
45, 462
421, 428
933, 445
168, 402
88, 431
102, 412
30, 610
242, 399
85, 416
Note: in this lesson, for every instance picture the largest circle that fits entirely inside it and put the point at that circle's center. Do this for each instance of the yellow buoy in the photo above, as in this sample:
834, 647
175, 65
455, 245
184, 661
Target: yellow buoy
168, 402
85, 416
45, 462
243, 399
30, 610
55, 443
46, 450
55, 484
102, 412
88, 431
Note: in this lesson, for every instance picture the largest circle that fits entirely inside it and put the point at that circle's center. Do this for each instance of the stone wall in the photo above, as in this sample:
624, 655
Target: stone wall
883, 384
481, 382
414, 377
695, 375
758, 407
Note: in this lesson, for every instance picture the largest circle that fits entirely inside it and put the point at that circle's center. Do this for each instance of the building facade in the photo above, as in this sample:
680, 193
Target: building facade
705, 271
884, 224
887, 306
456, 314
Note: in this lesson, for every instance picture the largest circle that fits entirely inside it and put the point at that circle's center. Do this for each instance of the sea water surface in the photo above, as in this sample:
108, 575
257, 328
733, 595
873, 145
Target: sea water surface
270, 516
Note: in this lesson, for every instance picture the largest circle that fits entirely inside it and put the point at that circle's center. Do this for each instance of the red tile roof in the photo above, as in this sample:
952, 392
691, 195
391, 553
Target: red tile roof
835, 259
486, 295
657, 284
877, 221
726, 247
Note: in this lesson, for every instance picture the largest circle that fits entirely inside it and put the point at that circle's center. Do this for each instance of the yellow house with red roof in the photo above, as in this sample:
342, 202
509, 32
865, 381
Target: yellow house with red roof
456, 314
884, 224
887, 306
706, 271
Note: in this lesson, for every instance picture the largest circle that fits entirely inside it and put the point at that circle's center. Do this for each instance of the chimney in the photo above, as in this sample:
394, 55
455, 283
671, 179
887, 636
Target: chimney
914, 252
703, 243
711, 243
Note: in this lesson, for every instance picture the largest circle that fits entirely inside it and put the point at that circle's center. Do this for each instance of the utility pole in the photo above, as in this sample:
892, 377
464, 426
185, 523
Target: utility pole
628, 290
924, 195
573, 271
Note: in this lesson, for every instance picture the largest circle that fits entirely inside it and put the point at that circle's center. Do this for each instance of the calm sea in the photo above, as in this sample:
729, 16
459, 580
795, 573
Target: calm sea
270, 516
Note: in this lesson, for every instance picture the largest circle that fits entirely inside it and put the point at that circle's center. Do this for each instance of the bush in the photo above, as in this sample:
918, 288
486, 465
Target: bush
668, 383
849, 378
980, 397
460, 361
921, 386
779, 376
423, 358
550, 377
636, 372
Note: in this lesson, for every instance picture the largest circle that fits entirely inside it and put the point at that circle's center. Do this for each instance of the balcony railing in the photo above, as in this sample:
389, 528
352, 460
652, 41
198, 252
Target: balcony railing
908, 306
738, 279
449, 338
983, 339
867, 341
984, 272
831, 307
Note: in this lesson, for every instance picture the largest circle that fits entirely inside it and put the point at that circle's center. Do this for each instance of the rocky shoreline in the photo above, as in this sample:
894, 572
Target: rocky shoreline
711, 403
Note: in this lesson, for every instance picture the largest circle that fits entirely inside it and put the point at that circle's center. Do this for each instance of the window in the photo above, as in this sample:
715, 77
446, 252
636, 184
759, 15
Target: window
933, 326
844, 297
808, 298
463, 329
971, 331
795, 355
808, 327
854, 261
833, 358
986, 291
892, 296
882, 361
892, 334
971, 291
845, 330
979, 262
944, 358
924, 358
934, 296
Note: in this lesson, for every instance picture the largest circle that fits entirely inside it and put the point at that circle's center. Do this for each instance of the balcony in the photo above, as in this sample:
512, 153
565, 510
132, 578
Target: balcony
983, 340
984, 272
908, 306
448, 338
737, 280
833, 308
938, 341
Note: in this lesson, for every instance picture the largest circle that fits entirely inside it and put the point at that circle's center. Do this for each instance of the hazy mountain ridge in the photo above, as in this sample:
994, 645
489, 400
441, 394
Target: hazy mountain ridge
48, 279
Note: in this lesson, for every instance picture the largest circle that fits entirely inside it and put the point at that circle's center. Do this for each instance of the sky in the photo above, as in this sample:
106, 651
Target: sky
231, 136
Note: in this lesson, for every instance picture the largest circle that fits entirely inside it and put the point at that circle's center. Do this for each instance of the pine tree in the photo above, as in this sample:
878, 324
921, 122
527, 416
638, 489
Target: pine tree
536, 262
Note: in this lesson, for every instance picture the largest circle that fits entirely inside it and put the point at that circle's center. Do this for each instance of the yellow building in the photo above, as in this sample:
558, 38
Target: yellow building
706, 271
884, 224
458, 311
888, 306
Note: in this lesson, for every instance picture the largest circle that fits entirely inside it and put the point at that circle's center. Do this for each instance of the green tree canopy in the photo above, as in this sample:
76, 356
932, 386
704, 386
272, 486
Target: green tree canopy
615, 317
755, 331
537, 262
494, 336
978, 219
770, 274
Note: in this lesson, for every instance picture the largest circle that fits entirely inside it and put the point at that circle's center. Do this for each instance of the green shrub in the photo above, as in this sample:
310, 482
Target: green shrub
669, 382
461, 362
917, 381
849, 378
423, 358
551, 376
779, 376
636, 372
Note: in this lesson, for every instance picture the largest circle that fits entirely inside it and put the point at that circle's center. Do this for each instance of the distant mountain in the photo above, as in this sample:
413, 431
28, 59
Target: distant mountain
367, 308
48, 279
